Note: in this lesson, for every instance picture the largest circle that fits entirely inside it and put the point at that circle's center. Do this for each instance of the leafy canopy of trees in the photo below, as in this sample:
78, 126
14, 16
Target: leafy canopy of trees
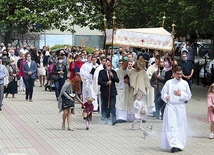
36, 15
188, 15
21, 16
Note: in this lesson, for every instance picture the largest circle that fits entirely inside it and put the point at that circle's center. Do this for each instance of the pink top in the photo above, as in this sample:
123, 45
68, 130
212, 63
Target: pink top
210, 101
167, 66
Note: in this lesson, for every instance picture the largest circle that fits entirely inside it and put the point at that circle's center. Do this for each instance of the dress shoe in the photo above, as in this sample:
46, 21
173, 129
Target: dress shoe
175, 149
113, 123
87, 128
0, 109
30, 100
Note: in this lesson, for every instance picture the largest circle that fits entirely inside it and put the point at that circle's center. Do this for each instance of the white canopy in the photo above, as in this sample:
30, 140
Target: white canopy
151, 38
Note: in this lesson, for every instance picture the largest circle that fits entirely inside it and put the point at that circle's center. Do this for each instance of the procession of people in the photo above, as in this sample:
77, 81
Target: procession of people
123, 92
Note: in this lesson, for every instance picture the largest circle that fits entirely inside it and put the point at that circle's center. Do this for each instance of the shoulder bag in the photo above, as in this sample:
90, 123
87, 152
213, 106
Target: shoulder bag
33, 76
67, 103
54, 77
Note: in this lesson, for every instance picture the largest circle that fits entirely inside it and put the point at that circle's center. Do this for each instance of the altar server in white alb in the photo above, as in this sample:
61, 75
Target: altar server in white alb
175, 94
87, 80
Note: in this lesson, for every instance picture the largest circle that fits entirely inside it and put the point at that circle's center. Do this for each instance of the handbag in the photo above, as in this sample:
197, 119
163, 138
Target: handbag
54, 77
66, 103
33, 76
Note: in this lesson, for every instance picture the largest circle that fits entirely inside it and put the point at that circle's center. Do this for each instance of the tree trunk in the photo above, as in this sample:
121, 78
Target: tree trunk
7, 37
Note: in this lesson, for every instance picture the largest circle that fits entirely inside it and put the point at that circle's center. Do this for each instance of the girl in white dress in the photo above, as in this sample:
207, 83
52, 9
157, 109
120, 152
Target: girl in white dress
140, 111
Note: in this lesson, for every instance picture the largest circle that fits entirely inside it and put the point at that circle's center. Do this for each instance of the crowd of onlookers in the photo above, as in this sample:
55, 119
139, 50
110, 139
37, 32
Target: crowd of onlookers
69, 62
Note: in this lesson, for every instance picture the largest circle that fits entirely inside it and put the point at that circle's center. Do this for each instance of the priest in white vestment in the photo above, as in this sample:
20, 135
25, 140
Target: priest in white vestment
122, 98
175, 94
95, 85
151, 92
139, 82
87, 81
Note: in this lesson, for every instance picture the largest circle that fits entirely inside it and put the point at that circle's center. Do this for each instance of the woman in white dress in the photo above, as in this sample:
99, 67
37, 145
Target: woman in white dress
41, 63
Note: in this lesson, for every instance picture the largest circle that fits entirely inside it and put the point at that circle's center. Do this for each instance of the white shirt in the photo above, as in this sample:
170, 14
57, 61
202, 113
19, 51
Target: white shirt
29, 63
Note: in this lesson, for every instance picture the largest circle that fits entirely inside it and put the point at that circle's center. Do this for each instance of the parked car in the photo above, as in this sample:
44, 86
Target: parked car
206, 72
206, 49
181, 47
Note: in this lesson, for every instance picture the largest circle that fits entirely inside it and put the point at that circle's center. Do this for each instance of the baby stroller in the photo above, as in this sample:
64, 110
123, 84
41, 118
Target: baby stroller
50, 83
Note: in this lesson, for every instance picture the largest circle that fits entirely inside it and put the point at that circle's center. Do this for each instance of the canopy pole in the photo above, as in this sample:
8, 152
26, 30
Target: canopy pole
105, 27
173, 48
112, 52
164, 17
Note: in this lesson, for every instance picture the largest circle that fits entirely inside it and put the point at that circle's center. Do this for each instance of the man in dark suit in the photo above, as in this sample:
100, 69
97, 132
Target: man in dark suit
107, 78
188, 69
30, 71
157, 82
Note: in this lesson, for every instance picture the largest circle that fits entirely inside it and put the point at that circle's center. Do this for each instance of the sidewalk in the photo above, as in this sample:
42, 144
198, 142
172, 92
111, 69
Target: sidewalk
34, 128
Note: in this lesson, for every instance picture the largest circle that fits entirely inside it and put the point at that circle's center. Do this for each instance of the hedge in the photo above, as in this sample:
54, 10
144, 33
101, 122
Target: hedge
61, 46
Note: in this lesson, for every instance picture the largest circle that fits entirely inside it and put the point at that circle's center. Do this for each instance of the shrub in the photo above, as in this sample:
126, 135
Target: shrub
61, 46
89, 49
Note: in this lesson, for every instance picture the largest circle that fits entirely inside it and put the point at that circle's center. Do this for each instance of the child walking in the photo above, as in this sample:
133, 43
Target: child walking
140, 111
88, 108
210, 101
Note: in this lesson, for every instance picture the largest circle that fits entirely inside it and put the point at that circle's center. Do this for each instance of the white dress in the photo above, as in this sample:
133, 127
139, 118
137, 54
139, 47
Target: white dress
174, 126
41, 69
138, 106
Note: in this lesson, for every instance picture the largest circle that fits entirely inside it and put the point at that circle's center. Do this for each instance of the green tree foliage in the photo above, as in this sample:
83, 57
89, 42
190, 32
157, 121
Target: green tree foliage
33, 15
188, 15
36, 15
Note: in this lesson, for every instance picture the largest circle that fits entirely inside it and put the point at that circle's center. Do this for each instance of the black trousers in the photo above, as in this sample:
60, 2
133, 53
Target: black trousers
29, 84
106, 111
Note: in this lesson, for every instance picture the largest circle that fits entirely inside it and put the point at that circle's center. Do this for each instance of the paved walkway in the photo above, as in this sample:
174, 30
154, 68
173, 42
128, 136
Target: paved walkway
34, 128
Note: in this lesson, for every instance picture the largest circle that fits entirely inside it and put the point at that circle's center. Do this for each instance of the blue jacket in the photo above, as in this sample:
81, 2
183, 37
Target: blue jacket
3, 73
26, 69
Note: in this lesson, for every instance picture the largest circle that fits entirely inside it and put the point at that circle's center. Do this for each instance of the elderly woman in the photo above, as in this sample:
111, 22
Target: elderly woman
69, 94
13, 77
